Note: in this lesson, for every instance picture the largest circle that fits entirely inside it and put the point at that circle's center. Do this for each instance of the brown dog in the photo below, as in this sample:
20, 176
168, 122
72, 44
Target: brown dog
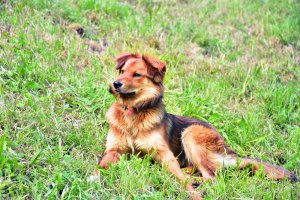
138, 123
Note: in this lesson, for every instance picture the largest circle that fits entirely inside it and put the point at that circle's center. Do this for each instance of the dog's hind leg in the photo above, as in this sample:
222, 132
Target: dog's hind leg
205, 149
168, 160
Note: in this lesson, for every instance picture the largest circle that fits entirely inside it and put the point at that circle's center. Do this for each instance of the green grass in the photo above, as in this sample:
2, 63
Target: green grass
233, 63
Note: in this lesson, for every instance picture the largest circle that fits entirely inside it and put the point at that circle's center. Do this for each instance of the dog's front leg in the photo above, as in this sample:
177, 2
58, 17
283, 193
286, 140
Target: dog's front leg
110, 156
114, 144
168, 160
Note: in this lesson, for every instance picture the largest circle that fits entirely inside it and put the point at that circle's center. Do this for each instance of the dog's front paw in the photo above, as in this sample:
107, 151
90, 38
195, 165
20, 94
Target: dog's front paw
93, 177
195, 196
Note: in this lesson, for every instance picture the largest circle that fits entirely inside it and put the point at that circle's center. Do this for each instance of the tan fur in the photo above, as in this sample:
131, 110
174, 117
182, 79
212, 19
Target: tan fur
138, 123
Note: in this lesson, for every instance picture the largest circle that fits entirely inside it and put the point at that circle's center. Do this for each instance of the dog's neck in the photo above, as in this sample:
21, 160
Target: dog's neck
129, 111
141, 105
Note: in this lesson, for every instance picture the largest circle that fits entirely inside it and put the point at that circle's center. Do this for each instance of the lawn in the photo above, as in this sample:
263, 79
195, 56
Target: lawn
235, 64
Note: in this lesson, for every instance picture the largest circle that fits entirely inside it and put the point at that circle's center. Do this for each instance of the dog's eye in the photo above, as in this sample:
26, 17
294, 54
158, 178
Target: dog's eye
136, 75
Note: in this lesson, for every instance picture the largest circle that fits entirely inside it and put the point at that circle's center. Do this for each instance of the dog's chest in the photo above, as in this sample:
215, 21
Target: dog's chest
144, 142
136, 123
142, 132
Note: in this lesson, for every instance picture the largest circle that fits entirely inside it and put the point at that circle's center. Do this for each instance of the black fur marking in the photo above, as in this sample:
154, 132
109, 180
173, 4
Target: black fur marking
179, 123
149, 104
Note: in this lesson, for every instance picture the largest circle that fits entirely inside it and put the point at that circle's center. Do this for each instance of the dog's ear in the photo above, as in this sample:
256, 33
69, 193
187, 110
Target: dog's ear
123, 57
155, 67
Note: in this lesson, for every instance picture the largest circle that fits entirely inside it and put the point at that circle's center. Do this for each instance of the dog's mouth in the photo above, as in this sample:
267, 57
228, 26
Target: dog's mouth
121, 91
128, 94
125, 94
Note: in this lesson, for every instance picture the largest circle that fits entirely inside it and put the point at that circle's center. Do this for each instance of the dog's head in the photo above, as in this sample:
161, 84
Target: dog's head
140, 78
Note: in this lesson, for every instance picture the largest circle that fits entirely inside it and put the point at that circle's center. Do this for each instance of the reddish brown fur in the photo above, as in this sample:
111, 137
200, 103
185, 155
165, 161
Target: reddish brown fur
139, 124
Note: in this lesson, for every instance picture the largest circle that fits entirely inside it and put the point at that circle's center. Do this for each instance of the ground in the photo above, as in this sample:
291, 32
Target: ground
232, 63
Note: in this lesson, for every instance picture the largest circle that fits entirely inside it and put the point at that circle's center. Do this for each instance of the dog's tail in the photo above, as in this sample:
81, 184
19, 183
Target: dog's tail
272, 171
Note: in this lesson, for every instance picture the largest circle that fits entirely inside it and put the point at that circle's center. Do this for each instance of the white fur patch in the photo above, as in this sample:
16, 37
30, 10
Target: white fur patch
93, 178
225, 160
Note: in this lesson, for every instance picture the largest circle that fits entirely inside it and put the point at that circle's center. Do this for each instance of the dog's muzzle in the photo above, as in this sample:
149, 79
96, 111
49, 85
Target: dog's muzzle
118, 88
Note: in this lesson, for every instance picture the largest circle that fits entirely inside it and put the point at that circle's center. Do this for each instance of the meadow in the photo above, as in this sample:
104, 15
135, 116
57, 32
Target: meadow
234, 64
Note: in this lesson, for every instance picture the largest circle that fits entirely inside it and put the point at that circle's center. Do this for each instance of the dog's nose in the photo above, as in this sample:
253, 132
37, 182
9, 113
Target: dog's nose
117, 84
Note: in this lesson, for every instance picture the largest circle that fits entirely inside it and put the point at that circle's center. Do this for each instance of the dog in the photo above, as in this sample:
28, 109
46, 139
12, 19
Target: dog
139, 123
